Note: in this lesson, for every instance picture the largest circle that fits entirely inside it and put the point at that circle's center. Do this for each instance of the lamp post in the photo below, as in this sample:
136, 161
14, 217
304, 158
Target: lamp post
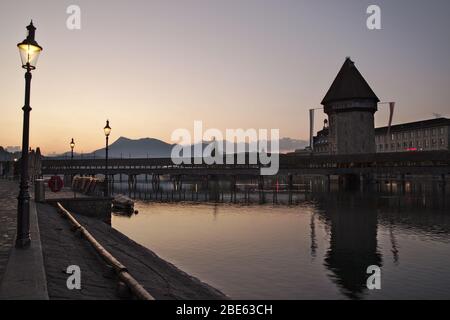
29, 53
72, 145
107, 130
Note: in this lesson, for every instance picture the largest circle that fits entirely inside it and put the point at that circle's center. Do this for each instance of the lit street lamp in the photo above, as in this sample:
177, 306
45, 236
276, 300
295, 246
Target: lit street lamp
72, 145
107, 130
29, 53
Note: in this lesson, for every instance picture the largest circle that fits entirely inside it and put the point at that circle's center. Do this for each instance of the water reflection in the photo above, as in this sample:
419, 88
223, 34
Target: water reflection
354, 219
318, 249
353, 241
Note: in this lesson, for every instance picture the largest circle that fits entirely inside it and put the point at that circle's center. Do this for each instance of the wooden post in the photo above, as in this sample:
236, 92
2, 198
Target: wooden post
290, 186
262, 196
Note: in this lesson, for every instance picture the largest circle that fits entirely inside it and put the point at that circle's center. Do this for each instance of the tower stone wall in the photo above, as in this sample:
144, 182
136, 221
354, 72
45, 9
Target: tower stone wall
351, 127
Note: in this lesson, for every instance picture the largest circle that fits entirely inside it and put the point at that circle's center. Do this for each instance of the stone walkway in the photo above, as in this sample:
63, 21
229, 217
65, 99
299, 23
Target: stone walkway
8, 215
62, 248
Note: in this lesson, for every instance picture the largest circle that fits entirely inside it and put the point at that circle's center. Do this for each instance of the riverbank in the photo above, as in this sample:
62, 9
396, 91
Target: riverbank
62, 248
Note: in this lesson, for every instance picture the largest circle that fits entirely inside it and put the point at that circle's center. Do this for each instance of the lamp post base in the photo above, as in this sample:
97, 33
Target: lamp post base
23, 220
23, 243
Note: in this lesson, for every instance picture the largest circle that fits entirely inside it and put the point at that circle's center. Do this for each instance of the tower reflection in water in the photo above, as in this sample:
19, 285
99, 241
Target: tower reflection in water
353, 241
352, 220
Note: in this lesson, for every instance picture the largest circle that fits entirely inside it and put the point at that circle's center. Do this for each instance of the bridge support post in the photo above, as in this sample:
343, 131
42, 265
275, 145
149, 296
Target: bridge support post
443, 183
155, 182
132, 185
366, 180
177, 182
275, 192
328, 183
290, 187
233, 189
112, 184
262, 195
349, 181
213, 188
403, 183
130, 178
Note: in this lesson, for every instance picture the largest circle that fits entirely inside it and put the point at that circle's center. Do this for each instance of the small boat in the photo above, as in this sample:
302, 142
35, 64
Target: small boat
122, 203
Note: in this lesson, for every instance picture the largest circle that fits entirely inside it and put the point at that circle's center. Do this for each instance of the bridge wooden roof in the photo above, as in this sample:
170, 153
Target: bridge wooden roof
348, 85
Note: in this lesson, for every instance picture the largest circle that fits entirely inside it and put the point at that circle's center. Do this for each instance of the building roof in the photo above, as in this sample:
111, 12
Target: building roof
349, 84
423, 124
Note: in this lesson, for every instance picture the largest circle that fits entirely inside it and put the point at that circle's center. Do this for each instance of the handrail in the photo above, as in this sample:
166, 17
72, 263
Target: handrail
122, 272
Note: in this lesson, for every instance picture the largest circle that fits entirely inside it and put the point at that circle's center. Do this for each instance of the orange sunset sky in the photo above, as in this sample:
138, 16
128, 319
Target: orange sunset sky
151, 67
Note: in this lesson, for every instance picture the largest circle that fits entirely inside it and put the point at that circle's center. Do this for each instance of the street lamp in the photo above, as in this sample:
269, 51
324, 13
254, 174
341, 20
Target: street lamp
29, 53
107, 130
72, 145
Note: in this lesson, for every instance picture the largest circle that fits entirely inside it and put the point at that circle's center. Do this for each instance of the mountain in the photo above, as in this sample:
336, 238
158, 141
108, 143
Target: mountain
154, 148
290, 145
139, 148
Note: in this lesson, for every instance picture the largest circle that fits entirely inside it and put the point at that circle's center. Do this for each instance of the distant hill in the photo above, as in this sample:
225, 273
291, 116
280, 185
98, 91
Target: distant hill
290, 145
154, 148
139, 148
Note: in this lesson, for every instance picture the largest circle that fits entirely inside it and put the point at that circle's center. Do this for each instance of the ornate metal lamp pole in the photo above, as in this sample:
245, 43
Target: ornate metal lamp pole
107, 130
29, 53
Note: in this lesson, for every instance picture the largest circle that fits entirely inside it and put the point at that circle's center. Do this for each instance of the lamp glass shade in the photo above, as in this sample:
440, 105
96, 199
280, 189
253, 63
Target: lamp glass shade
107, 129
29, 54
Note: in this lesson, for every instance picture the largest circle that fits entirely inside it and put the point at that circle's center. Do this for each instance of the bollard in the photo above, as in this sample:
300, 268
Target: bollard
39, 190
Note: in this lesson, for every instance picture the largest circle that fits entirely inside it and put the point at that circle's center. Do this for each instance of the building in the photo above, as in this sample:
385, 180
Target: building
350, 105
425, 135
320, 141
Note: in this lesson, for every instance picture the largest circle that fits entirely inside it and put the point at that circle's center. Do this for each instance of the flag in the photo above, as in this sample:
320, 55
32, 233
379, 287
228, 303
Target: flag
391, 115
311, 127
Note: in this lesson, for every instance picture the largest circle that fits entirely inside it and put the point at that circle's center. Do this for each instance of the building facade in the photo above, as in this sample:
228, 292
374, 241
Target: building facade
426, 135
320, 141
350, 105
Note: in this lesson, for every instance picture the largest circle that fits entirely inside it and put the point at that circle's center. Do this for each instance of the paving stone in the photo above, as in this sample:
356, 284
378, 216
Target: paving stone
8, 217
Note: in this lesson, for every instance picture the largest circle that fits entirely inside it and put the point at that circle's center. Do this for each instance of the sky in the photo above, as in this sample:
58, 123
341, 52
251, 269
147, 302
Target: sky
151, 67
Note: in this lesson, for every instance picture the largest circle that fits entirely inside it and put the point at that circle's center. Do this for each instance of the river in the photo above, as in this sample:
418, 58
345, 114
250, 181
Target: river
319, 248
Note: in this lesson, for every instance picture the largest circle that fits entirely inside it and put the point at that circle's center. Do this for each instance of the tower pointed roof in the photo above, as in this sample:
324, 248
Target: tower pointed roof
349, 84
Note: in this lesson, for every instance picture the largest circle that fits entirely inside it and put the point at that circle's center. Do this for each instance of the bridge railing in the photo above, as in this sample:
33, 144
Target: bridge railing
286, 162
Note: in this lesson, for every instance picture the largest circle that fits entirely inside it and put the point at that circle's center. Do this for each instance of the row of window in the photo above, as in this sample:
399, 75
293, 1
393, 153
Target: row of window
413, 134
419, 144
321, 149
